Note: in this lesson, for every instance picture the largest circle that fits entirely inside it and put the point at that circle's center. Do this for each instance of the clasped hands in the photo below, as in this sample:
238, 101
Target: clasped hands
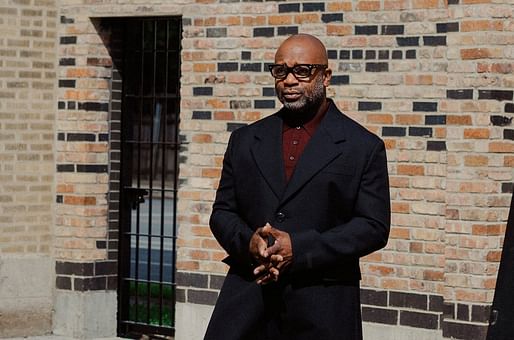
272, 259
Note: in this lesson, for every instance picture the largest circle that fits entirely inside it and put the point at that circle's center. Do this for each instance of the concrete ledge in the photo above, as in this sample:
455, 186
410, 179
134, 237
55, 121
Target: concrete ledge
373, 331
85, 315
191, 320
26, 295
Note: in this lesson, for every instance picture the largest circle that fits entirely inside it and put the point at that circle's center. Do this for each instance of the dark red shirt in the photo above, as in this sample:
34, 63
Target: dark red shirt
294, 140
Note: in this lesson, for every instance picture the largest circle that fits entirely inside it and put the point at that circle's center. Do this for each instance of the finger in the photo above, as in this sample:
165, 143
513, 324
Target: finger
274, 232
264, 279
274, 273
262, 250
276, 259
274, 249
264, 231
260, 269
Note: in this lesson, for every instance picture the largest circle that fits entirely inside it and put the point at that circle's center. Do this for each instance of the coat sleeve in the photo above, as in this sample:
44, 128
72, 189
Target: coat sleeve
232, 233
365, 232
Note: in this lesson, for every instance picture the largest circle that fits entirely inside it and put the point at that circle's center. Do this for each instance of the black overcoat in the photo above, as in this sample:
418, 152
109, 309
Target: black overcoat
335, 207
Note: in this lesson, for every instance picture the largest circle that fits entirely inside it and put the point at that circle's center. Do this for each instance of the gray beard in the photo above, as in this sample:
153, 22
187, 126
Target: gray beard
306, 107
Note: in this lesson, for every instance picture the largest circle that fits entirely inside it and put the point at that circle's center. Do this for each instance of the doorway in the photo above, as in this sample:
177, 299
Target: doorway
150, 105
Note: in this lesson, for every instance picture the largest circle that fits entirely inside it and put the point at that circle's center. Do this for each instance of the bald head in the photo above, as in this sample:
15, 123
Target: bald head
301, 49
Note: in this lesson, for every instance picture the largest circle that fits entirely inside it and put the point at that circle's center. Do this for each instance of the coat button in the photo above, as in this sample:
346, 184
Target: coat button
280, 216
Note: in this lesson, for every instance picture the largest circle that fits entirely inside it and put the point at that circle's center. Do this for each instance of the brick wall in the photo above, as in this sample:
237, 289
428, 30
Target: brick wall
85, 247
27, 115
433, 78
28, 32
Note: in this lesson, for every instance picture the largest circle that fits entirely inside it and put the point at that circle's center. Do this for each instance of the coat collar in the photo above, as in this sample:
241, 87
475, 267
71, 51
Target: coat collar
325, 145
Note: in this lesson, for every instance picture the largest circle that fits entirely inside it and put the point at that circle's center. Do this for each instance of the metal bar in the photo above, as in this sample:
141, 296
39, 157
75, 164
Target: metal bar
124, 266
175, 187
141, 106
150, 180
163, 173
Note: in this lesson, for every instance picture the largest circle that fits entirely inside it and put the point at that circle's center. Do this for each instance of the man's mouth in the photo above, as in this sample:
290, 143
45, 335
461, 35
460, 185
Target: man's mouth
291, 96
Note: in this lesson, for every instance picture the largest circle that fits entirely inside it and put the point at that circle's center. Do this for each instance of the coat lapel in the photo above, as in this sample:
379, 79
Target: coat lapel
267, 153
325, 145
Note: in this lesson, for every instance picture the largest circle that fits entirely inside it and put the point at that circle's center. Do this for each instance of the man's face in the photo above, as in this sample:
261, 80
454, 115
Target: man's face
304, 94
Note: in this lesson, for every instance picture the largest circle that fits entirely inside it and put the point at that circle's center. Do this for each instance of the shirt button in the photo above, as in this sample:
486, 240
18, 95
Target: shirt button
298, 127
280, 216
291, 158
295, 142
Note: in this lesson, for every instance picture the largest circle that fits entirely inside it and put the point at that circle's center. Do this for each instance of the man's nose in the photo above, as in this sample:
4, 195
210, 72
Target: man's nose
290, 79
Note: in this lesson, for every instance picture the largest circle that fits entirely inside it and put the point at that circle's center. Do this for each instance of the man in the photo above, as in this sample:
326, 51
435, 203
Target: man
303, 194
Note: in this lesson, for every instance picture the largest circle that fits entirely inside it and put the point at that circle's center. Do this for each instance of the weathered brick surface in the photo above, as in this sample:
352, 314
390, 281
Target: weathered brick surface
28, 58
433, 78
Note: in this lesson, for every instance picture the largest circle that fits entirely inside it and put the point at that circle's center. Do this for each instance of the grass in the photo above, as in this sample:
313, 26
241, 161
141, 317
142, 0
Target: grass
151, 315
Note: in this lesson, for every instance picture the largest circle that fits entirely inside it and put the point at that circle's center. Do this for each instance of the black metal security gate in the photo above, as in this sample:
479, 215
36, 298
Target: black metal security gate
148, 183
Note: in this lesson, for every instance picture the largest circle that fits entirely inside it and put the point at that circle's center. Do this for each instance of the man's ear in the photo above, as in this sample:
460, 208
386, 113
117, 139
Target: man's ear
327, 75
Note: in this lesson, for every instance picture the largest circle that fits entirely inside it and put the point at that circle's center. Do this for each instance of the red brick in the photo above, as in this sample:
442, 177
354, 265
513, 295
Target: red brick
416, 247
494, 256
399, 182
504, 68
425, 4
79, 200
380, 118
487, 229
508, 161
390, 144
469, 2
396, 4
229, 21
400, 233
400, 207
199, 255
307, 18
202, 138
502, 147
223, 115
481, 25
64, 188
440, 132
395, 284
188, 265
80, 72
433, 275
380, 270
458, 120
254, 20
217, 103
423, 79
339, 29
202, 231
211, 173
476, 133
410, 170
204, 67
408, 119
368, 5
339, 6
476, 160
475, 53
280, 19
